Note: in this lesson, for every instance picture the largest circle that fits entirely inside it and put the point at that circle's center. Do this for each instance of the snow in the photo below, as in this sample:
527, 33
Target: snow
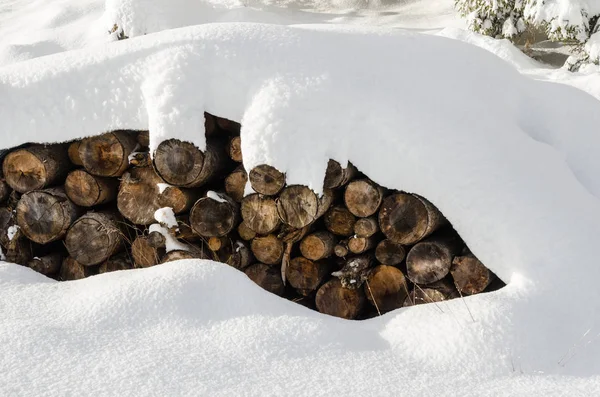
561, 15
166, 217
171, 243
12, 231
162, 187
215, 196
512, 162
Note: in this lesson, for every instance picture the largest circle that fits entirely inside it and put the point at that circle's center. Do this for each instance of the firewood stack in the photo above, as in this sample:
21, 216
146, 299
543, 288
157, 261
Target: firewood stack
355, 251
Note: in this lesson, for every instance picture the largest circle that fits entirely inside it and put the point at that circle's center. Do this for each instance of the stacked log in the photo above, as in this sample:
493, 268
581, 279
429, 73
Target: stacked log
354, 250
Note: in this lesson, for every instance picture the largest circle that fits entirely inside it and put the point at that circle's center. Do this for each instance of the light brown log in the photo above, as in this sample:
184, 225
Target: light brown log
289, 236
177, 255
118, 262
183, 164
386, 288
260, 214
47, 265
148, 250
358, 245
143, 139
306, 275
366, 227
419, 296
333, 299
298, 206
73, 270
339, 221
430, 260
234, 149
240, 257
184, 232
235, 183
45, 215
337, 176
228, 125
244, 231
266, 180
341, 249
36, 167
267, 277
87, 190
95, 237
355, 271
5, 191
389, 253
267, 249
318, 245
470, 275
107, 154
73, 152
363, 197
210, 217
407, 218
140, 196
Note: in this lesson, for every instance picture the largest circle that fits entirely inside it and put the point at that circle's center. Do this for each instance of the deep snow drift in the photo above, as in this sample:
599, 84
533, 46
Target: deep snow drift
514, 168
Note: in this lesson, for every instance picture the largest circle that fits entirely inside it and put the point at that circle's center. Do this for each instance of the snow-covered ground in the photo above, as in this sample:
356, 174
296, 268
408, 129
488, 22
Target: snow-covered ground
512, 162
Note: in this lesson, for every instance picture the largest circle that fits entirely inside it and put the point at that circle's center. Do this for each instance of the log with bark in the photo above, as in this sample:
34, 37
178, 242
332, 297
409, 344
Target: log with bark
386, 288
430, 260
73, 270
235, 183
337, 176
183, 164
216, 215
333, 299
245, 232
299, 206
240, 256
95, 237
407, 218
341, 249
318, 245
143, 139
234, 149
267, 249
340, 221
87, 190
366, 227
389, 253
47, 265
227, 125
36, 167
359, 245
470, 275
266, 180
45, 215
267, 277
118, 262
148, 250
260, 214
4, 191
73, 153
305, 275
363, 197
107, 154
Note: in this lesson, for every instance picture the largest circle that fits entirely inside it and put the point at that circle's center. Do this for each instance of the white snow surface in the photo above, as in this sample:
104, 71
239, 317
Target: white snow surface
171, 243
215, 196
11, 232
166, 217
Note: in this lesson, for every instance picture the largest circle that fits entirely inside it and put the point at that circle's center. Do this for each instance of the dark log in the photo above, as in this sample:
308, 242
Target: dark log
419, 296
240, 257
318, 245
47, 265
358, 245
407, 218
339, 221
140, 196
45, 215
235, 183
298, 206
234, 149
430, 260
366, 227
87, 190
341, 249
143, 139
470, 275
210, 124
148, 250
183, 164
19, 249
260, 214
267, 249
355, 271
245, 232
266, 180
140, 159
306, 275
36, 167
386, 288
214, 217
5, 191
389, 253
73, 153
228, 125
118, 262
73, 270
8, 220
107, 154
95, 237
337, 176
333, 299
363, 197
267, 277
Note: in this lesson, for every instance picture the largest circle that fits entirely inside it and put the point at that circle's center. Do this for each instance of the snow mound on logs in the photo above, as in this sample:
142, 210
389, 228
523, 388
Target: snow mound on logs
511, 162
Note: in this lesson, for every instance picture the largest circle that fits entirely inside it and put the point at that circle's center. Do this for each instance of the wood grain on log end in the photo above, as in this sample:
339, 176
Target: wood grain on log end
333, 299
107, 154
87, 190
260, 214
266, 180
267, 277
386, 288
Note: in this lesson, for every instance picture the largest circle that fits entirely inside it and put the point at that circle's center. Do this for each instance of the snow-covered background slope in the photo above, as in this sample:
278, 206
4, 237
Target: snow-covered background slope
514, 167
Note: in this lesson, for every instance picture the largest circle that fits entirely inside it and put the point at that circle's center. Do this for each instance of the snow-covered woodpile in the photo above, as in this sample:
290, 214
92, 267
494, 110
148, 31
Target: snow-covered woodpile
101, 204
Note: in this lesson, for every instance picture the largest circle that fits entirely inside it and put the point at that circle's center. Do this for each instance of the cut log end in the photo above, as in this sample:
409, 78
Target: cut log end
386, 288
148, 250
267, 249
389, 253
210, 217
337, 176
235, 183
266, 180
94, 238
47, 265
430, 260
333, 299
35, 167
234, 149
260, 214
306, 275
340, 221
107, 154
319, 245
87, 190
363, 197
470, 275
366, 227
267, 277
298, 206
